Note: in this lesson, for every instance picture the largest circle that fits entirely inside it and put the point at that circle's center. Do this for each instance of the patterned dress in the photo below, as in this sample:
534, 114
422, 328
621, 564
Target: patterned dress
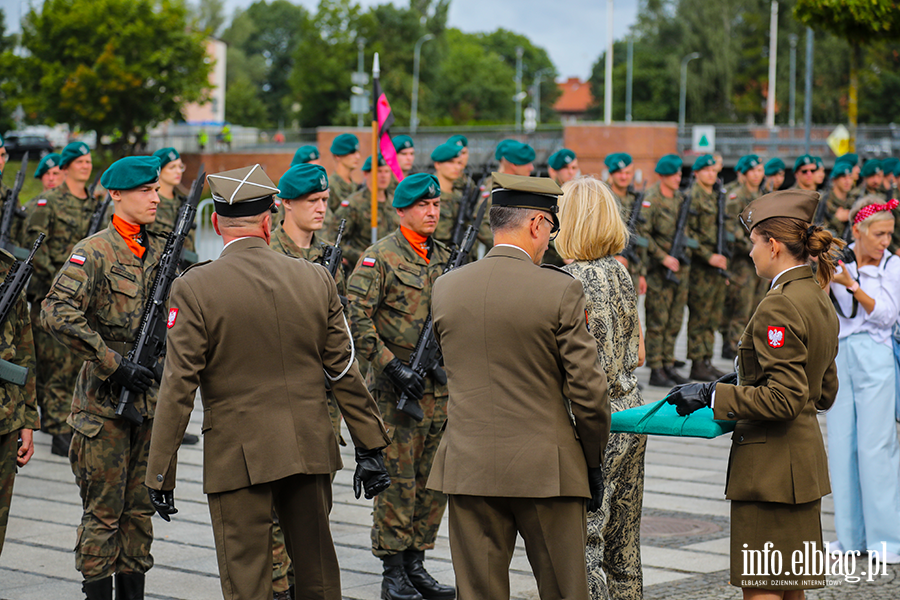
613, 550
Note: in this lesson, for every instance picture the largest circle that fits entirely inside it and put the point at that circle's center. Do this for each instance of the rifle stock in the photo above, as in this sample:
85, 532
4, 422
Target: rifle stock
331, 258
15, 281
12, 211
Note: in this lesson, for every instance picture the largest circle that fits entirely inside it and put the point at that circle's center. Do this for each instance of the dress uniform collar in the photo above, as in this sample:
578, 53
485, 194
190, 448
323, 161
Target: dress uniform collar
244, 244
508, 251
793, 274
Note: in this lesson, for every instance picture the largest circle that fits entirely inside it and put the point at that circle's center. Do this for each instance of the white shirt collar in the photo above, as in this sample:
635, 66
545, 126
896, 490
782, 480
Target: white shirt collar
513, 246
236, 240
782, 273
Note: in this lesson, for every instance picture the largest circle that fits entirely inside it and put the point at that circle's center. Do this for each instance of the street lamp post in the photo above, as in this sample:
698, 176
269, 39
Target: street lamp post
414, 113
360, 67
538, 78
683, 95
518, 97
792, 38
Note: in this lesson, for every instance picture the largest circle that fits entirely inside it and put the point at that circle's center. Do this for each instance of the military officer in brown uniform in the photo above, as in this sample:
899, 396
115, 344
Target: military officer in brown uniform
778, 469
390, 297
254, 330
345, 152
512, 460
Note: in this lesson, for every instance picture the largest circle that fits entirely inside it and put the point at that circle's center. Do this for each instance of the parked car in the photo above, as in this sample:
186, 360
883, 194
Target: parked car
37, 146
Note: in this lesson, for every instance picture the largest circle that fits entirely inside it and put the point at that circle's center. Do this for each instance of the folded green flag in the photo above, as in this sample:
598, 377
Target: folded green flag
661, 418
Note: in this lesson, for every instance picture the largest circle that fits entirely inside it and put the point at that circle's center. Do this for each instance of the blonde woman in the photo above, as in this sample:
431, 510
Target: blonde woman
591, 234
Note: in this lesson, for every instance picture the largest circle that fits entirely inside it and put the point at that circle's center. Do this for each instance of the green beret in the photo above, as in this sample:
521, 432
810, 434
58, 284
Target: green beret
517, 153
402, 142
304, 154
445, 152
703, 161
897, 169
498, 152
47, 163
345, 144
2, 142
617, 161
851, 157
166, 155
416, 187
459, 140
872, 167
841, 168
130, 172
820, 164
301, 180
889, 165
805, 159
774, 166
73, 151
747, 162
669, 165
367, 166
559, 159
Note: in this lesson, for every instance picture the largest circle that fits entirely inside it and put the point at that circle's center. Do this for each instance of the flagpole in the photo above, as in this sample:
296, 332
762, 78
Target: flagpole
375, 74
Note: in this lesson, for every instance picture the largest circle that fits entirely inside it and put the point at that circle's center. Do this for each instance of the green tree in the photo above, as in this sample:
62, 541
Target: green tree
93, 64
210, 15
859, 22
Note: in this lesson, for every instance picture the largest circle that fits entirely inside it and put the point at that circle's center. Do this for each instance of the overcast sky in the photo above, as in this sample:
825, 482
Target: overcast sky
574, 32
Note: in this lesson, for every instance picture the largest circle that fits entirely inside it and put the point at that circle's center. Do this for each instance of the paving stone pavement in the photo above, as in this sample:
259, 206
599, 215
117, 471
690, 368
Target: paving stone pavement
684, 485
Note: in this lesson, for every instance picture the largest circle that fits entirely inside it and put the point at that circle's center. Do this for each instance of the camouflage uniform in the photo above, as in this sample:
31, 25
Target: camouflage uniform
832, 204
450, 203
666, 310
340, 191
167, 212
95, 309
744, 281
18, 408
357, 209
390, 299
706, 292
64, 218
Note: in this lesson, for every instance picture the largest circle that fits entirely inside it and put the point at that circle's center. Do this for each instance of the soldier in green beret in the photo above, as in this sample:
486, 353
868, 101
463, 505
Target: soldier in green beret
406, 156
744, 281
390, 300
448, 168
63, 214
357, 210
872, 175
621, 180
94, 308
51, 176
464, 180
563, 166
774, 171
306, 155
516, 158
345, 151
666, 312
805, 168
171, 199
706, 291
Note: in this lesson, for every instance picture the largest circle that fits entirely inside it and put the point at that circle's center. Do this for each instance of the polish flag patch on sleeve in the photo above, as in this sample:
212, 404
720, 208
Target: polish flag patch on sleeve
42, 202
776, 336
345, 203
77, 259
173, 314
645, 203
368, 262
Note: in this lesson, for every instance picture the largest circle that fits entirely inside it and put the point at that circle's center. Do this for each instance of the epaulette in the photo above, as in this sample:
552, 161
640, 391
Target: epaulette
195, 265
555, 268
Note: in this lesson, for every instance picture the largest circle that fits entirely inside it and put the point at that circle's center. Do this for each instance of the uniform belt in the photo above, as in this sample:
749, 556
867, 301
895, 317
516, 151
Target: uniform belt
401, 353
122, 348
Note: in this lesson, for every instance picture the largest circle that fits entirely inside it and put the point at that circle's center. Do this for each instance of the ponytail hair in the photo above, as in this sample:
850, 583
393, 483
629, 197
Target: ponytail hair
804, 241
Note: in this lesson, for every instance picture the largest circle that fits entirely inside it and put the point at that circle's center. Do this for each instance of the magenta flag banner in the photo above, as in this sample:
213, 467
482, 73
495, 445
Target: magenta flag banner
385, 118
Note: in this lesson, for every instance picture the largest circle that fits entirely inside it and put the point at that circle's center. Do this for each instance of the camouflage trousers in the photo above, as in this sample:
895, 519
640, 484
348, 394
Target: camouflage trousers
664, 307
109, 460
9, 444
407, 515
613, 549
56, 373
738, 300
282, 569
706, 299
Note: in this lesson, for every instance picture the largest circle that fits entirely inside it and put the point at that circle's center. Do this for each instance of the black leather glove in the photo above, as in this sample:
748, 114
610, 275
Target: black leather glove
163, 502
370, 474
405, 379
133, 376
595, 482
691, 397
729, 378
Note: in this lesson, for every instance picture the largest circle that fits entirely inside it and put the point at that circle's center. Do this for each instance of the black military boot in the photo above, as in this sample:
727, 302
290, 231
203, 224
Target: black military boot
678, 364
396, 585
100, 589
425, 584
659, 378
130, 586
60, 444
701, 370
675, 375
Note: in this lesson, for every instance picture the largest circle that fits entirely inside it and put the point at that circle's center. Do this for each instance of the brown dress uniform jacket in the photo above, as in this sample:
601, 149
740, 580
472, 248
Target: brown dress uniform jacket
254, 329
787, 372
516, 346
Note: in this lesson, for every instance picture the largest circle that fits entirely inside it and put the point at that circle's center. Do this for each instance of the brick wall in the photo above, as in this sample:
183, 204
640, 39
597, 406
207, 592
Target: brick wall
645, 142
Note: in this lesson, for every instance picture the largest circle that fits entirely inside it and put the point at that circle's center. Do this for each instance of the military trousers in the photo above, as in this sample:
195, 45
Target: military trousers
664, 307
407, 515
738, 300
706, 299
9, 445
56, 373
242, 528
483, 536
109, 460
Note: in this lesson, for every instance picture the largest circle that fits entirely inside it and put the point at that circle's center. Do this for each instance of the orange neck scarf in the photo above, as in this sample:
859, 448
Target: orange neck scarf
132, 235
418, 242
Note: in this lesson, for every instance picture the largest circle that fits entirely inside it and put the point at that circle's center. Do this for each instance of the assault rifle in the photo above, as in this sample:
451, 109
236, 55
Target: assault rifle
424, 357
151, 336
93, 187
681, 240
630, 252
11, 211
16, 280
331, 258
96, 221
721, 233
471, 195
